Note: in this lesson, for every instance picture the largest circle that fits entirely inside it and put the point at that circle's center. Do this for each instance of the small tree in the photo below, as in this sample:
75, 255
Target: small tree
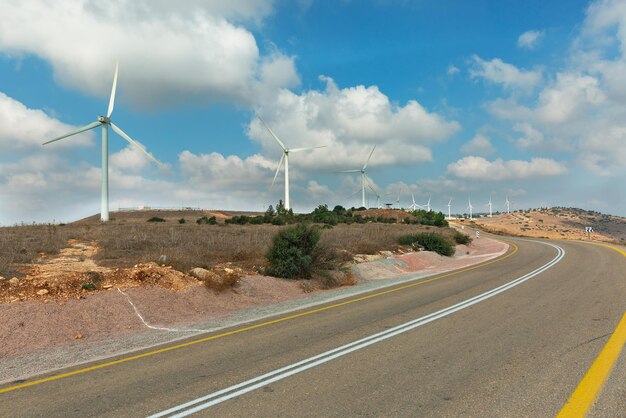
292, 252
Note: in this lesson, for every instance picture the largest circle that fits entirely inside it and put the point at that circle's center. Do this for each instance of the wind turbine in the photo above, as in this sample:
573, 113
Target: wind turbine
364, 177
285, 158
490, 212
377, 195
470, 207
449, 205
105, 122
414, 206
508, 205
427, 205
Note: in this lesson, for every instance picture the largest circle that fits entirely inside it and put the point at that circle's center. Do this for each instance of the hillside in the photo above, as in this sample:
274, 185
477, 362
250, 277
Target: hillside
557, 223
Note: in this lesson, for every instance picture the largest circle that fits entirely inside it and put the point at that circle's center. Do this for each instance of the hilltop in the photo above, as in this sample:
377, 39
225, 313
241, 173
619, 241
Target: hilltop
557, 223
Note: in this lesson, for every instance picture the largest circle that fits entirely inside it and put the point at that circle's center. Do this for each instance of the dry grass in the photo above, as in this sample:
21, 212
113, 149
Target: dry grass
186, 246
21, 245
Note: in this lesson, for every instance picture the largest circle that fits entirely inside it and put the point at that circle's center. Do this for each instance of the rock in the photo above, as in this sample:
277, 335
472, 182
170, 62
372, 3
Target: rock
2, 279
201, 274
14, 281
42, 292
107, 286
163, 259
209, 278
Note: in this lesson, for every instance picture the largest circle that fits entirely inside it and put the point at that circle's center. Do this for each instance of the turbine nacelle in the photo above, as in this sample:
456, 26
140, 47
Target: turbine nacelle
104, 119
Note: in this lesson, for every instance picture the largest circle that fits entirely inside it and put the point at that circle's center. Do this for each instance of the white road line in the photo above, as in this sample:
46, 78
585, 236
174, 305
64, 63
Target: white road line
156, 327
284, 372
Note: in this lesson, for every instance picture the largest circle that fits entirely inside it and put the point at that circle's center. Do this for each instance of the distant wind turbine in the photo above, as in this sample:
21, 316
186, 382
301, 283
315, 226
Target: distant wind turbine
105, 122
470, 207
427, 205
449, 205
285, 159
508, 205
364, 177
490, 211
414, 206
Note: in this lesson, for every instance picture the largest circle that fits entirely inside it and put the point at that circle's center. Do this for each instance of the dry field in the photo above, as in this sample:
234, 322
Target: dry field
62, 258
558, 223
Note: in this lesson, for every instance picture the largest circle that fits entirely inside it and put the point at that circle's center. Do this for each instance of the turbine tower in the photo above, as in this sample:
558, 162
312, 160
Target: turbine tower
105, 122
414, 206
285, 159
470, 207
427, 205
490, 212
508, 205
449, 205
364, 177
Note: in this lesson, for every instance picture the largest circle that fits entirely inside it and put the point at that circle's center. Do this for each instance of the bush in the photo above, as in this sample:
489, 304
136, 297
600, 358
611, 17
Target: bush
204, 220
430, 241
181, 221
461, 238
292, 251
156, 219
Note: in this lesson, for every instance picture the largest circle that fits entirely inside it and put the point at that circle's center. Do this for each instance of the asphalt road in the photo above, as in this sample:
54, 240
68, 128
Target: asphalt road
520, 352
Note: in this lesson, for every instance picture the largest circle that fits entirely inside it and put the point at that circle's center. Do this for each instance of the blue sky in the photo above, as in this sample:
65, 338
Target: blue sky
525, 99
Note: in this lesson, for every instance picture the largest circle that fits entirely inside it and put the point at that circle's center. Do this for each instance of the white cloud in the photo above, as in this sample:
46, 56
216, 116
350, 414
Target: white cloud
168, 53
530, 39
478, 168
215, 172
22, 128
479, 145
499, 72
452, 70
531, 138
350, 121
569, 98
130, 159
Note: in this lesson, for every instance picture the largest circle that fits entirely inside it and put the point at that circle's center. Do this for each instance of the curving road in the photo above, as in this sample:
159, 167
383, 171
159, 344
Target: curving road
514, 337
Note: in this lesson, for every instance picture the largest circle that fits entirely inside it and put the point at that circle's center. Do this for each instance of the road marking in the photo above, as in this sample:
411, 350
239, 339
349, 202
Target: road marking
223, 395
591, 384
251, 327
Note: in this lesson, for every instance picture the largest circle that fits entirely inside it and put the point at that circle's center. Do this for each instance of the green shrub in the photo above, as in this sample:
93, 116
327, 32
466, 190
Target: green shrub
204, 220
156, 219
181, 221
292, 252
461, 238
430, 241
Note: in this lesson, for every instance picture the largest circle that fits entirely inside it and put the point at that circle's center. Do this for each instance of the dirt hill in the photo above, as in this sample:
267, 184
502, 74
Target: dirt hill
557, 223
170, 215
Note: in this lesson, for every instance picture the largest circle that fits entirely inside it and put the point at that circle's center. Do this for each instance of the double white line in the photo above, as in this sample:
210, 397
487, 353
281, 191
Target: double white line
220, 396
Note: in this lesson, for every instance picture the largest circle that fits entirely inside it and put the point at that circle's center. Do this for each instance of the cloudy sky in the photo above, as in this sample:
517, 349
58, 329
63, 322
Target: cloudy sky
525, 99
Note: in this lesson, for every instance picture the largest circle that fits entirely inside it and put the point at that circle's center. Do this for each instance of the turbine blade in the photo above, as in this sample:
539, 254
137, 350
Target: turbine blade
368, 158
280, 164
348, 171
306, 149
273, 134
135, 143
79, 130
374, 190
370, 184
112, 98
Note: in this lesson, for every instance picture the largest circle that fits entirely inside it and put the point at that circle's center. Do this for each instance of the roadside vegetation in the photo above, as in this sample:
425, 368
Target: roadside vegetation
207, 242
429, 241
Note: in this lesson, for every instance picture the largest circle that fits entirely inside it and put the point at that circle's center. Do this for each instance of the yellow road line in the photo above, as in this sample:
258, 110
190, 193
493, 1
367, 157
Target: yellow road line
251, 327
590, 386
